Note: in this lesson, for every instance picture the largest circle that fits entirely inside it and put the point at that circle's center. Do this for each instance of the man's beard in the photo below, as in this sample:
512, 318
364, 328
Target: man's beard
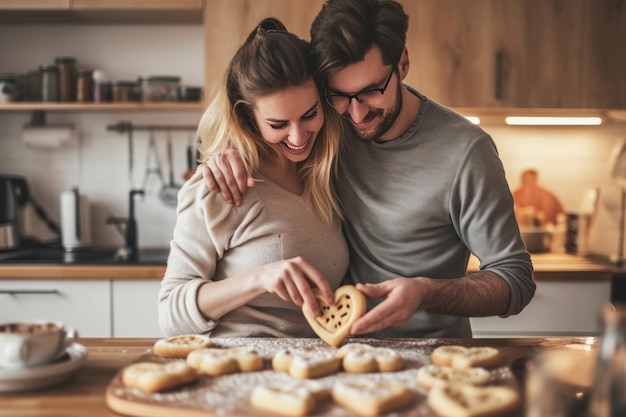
388, 119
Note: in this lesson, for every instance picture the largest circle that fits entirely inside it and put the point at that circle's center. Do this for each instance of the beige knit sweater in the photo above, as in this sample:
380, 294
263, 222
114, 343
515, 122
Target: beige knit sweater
214, 240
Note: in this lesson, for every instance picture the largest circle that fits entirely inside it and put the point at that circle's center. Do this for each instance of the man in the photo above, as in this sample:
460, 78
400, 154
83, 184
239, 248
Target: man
421, 187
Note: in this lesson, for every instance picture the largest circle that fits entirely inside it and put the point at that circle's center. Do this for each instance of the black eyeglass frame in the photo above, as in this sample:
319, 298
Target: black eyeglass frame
329, 96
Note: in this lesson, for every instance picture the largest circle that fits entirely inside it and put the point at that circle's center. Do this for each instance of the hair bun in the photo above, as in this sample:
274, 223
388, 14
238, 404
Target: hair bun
271, 24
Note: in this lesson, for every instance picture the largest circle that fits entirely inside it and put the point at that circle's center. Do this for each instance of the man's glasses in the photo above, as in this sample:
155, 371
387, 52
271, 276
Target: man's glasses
370, 97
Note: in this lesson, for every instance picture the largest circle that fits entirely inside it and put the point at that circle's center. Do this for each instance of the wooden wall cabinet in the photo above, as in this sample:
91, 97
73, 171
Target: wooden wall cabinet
34, 4
604, 54
136, 5
101, 11
228, 22
491, 53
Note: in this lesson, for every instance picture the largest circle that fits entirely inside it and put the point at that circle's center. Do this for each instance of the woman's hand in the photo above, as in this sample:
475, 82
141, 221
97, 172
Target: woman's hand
293, 280
225, 173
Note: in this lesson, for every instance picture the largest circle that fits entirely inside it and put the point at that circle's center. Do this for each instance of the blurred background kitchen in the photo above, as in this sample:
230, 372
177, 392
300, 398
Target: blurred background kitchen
483, 59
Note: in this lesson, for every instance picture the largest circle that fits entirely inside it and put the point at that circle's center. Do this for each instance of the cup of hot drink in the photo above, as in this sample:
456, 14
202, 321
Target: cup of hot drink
32, 343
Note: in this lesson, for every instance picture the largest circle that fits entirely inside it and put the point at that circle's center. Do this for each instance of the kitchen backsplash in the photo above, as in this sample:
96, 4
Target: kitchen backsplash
570, 160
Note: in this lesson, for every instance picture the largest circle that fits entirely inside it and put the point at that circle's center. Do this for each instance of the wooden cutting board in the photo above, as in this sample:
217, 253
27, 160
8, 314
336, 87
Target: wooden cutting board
534, 204
227, 396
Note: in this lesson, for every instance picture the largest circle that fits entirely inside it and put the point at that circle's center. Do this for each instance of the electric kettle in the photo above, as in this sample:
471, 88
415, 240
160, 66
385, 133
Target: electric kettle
14, 195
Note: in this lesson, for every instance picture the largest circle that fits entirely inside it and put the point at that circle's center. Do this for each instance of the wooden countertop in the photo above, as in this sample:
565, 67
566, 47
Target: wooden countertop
548, 267
561, 267
84, 393
82, 272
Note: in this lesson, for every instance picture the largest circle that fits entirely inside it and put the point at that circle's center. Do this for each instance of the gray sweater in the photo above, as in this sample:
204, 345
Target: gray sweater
214, 240
418, 205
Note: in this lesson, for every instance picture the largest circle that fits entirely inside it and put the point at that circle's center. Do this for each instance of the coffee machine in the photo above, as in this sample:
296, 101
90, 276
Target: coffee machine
14, 195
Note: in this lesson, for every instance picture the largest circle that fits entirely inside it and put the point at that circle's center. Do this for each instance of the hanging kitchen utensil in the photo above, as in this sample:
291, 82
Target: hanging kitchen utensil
169, 191
191, 164
153, 164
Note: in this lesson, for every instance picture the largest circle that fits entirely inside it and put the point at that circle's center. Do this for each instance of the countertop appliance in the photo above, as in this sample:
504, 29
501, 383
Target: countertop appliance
75, 220
14, 195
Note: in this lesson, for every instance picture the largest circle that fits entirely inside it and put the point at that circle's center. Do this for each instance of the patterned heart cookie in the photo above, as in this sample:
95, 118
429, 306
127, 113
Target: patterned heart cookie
430, 375
333, 326
370, 398
462, 400
220, 361
460, 357
361, 358
180, 346
288, 398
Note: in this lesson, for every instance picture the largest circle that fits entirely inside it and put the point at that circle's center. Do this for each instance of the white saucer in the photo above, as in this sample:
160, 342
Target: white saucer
23, 379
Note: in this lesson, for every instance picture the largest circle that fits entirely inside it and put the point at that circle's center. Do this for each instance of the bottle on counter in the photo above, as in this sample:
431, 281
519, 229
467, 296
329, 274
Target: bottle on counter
67, 78
49, 75
608, 394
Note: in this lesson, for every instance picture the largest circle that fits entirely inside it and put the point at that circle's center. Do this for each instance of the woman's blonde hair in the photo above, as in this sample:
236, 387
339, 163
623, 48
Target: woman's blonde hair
271, 59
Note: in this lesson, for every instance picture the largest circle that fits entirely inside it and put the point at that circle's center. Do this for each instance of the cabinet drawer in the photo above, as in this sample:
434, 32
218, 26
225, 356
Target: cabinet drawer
557, 309
135, 308
83, 305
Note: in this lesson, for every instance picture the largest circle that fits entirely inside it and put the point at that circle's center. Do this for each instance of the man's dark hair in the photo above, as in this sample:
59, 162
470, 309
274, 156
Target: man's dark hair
345, 30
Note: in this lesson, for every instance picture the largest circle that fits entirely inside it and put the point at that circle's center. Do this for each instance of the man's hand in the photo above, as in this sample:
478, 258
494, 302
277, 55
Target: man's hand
225, 173
402, 298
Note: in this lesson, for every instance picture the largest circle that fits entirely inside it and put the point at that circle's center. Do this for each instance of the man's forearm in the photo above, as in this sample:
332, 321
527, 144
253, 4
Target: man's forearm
476, 295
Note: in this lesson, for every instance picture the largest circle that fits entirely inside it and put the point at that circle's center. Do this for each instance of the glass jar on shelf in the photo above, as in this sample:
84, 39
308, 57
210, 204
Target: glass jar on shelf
84, 86
49, 75
159, 88
126, 92
67, 78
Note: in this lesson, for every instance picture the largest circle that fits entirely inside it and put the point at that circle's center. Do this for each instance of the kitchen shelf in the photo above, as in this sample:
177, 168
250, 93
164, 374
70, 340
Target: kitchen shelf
160, 106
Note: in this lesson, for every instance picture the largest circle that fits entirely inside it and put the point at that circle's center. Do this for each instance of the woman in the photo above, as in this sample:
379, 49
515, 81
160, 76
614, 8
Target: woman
245, 271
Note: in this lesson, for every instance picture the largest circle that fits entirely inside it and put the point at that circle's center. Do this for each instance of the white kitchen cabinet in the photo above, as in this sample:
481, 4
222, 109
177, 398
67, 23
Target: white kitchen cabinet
135, 311
557, 309
82, 305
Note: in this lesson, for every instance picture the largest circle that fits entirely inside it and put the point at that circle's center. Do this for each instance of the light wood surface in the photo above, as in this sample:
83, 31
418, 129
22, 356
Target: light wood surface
561, 267
548, 267
84, 393
82, 272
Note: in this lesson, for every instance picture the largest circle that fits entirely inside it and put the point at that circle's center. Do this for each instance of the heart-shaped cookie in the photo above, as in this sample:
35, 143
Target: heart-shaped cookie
333, 325
460, 357
461, 400
371, 398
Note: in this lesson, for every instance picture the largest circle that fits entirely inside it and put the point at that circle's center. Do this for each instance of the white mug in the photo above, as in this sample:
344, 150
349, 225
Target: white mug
33, 343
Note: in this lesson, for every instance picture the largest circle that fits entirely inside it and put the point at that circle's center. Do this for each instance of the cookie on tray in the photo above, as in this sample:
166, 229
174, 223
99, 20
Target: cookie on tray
154, 377
294, 398
181, 345
461, 357
362, 358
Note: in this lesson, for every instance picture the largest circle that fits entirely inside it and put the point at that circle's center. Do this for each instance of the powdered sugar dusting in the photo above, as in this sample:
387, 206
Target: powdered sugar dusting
228, 394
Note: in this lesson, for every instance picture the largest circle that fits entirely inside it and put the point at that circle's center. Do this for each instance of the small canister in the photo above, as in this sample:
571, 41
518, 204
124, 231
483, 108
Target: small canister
49, 83
84, 86
102, 89
7, 87
125, 91
160, 88
67, 77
